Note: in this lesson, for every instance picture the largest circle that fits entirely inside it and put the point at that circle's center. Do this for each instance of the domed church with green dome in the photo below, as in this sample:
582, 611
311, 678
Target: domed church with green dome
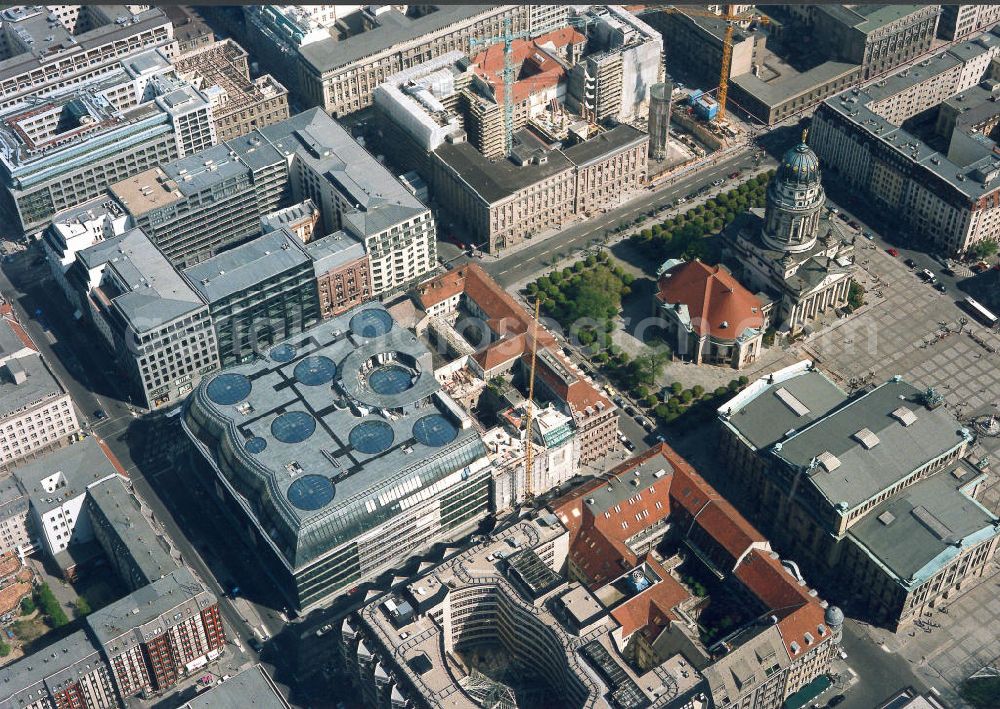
799, 259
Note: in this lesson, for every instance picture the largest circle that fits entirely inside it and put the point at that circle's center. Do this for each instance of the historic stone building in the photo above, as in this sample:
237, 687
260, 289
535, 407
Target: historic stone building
791, 251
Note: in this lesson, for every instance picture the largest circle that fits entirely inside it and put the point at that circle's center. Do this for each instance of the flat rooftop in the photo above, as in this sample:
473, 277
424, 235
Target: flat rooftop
148, 611
144, 546
331, 419
872, 448
244, 267
333, 251
605, 143
75, 467
39, 384
248, 688
788, 400
916, 532
394, 29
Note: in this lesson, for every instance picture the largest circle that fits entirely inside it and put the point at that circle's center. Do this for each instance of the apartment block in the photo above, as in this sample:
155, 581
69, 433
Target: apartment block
949, 198
896, 538
502, 203
56, 485
239, 105
158, 634
258, 293
120, 523
301, 219
36, 413
76, 675
79, 228
46, 48
61, 151
156, 325
250, 687
194, 207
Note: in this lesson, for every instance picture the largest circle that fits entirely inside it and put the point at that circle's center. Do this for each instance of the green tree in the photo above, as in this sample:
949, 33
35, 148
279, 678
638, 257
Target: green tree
662, 411
676, 387
981, 692
687, 396
855, 296
27, 606
82, 607
743, 380
50, 606
4, 649
650, 401
698, 390
985, 248
721, 391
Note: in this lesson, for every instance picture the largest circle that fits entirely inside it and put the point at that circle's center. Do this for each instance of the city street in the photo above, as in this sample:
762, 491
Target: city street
531, 259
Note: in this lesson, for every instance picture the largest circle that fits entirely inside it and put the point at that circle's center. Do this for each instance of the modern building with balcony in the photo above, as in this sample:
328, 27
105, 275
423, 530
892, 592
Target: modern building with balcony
258, 293
48, 47
336, 454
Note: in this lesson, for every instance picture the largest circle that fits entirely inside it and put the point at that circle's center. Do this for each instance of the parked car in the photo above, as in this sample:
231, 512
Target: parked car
100, 414
256, 644
630, 411
682, 200
927, 276
718, 183
892, 252
910, 263
734, 175
854, 224
869, 235
834, 701
940, 287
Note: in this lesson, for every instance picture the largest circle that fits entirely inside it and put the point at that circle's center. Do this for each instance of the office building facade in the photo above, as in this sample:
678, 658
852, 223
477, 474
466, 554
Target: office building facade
950, 197
157, 326
36, 413
258, 293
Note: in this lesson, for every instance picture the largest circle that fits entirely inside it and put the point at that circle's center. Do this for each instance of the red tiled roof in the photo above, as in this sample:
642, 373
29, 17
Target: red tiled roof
19, 332
441, 288
597, 545
502, 351
578, 393
798, 613
562, 37
537, 68
653, 606
717, 304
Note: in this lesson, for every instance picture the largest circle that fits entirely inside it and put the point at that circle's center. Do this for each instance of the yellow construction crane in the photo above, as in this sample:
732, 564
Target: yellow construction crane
529, 492
731, 18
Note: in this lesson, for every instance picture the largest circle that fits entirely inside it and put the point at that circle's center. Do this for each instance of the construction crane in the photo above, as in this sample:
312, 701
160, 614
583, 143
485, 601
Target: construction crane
529, 491
508, 75
731, 18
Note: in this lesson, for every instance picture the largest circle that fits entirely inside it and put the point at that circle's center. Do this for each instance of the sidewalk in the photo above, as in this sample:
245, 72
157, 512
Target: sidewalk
621, 236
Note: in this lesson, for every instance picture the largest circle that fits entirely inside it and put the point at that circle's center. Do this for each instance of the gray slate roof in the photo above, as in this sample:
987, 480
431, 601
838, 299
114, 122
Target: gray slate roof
81, 464
765, 419
119, 625
247, 266
75, 656
900, 450
156, 293
249, 688
40, 383
916, 531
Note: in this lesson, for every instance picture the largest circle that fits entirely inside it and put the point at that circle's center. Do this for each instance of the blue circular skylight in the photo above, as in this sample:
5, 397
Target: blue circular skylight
372, 437
256, 445
311, 492
293, 427
434, 430
229, 389
371, 323
315, 370
282, 353
391, 379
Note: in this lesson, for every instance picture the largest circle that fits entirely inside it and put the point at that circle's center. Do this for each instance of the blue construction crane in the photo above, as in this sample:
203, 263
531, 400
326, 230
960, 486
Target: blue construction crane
507, 38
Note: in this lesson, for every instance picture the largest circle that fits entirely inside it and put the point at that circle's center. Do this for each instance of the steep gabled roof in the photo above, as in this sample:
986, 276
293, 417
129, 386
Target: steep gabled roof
716, 302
